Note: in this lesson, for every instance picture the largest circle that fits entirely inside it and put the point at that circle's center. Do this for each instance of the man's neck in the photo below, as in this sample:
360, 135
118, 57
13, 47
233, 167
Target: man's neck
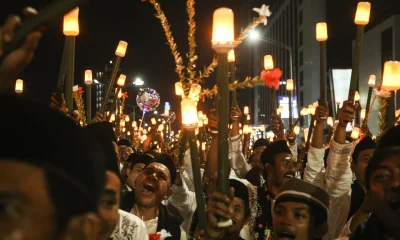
145, 213
273, 189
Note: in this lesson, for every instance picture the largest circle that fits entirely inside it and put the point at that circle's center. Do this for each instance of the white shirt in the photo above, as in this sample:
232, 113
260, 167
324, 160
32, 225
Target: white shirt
336, 179
129, 227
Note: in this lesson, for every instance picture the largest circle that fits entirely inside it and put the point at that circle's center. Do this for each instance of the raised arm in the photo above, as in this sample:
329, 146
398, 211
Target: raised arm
315, 170
238, 161
338, 174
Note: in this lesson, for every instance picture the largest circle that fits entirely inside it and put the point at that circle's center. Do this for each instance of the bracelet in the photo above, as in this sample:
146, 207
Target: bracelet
214, 131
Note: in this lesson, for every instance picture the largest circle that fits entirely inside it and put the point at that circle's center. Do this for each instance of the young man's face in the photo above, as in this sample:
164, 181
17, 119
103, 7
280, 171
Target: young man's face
124, 152
152, 185
284, 168
291, 220
109, 205
26, 211
385, 191
361, 165
237, 207
125, 171
135, 172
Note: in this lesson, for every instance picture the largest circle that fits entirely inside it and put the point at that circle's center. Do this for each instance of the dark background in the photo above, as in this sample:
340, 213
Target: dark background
104, 22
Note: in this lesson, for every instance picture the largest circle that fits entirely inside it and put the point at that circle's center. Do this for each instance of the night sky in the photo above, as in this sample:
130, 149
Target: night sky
103, 23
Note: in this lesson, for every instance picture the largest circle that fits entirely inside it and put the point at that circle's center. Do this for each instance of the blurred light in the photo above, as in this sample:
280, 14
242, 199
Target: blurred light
138, 82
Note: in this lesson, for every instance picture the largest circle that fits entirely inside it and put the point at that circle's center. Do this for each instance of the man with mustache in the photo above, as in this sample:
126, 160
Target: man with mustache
280, 166
300, 211
153, 186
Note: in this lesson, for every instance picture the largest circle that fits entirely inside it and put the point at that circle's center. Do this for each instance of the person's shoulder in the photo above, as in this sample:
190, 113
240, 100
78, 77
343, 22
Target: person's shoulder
343, 238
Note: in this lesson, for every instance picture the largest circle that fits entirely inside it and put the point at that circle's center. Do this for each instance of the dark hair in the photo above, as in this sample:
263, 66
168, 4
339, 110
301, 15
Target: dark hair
242, 192
67, 205
268, 155
136, 158
364, 144
167, 161
379, 156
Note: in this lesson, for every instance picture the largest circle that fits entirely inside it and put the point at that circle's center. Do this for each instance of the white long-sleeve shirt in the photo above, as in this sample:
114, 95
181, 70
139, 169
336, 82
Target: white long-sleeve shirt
237, 159
185, 201
336, 179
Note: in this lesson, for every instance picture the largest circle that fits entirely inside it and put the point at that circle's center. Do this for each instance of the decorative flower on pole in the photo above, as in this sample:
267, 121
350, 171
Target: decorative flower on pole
272, 78
159, 235
264, 12
77, 95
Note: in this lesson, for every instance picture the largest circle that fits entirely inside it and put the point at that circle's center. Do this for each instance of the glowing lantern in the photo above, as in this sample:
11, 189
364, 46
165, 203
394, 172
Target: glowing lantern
362, 14
121, 49
189, 114
71, 23
268, 62
322, 32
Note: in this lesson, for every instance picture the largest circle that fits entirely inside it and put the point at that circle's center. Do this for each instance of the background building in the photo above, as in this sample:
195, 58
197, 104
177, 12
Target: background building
290, 38
381, 44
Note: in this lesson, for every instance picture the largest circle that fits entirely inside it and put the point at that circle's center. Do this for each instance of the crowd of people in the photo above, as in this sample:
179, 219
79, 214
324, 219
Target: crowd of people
61, 180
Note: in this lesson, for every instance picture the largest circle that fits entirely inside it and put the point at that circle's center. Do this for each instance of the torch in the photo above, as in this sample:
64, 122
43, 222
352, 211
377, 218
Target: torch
119, 53
361, 19
322, 36
222, 42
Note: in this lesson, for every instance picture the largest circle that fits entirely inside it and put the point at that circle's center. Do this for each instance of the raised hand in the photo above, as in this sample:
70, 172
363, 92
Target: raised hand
347, 113
217, 208
16, 61
321, 113
99, 118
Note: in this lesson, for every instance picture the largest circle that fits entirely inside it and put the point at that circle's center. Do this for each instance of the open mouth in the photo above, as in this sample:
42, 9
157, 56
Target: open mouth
285, 236
148, 188
289, 175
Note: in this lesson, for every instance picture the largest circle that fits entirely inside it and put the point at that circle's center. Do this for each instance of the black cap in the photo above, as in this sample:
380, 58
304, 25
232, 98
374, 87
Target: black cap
136, 158
260, 142
365, 143
390, 138
57, 145
166, 160
242, 192
268, 155
124, 142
